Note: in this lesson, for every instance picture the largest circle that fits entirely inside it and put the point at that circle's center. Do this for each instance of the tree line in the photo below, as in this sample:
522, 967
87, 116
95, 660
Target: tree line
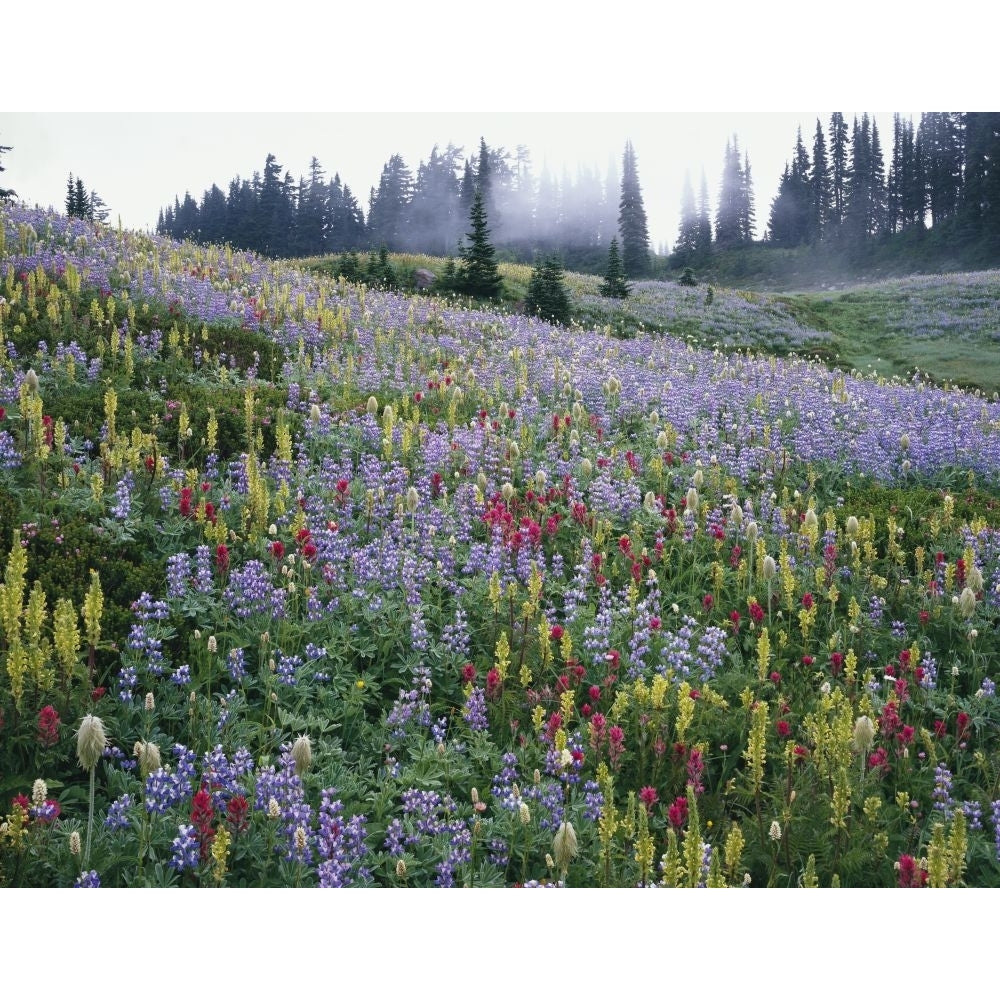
425, 211
942, 174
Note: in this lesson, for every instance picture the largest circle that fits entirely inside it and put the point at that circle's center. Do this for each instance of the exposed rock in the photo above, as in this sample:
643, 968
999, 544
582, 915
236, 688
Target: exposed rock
423, 278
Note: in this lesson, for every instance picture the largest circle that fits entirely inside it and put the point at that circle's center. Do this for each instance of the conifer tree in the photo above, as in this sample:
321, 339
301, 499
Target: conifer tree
632, 219
839, 144
5, 193
687, 235
819, 181
730, 214
546, 296
479, 275
615, 284
704, 219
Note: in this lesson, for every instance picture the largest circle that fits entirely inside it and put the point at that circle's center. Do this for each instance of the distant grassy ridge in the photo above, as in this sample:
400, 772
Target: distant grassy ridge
945, 326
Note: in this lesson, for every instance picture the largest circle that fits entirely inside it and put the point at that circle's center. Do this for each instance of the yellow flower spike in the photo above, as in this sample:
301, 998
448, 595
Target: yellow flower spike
756, 751
670, 863
66, 635
220, 853
958, 845
685, 710
502, 656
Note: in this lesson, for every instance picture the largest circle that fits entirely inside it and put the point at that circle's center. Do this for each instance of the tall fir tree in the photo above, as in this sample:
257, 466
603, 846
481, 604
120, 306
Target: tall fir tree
748, 214
839, 150
479, 275
686, 247
704, 219
731, 211
6, 194
632, 218
819, 182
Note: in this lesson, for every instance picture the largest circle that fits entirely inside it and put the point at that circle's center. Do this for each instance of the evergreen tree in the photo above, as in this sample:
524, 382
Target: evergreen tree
479, 275
979, 208
99, 210
70, 198
792, 208
6, 194
838, 170
704, 220
547, 297
819, 182
615, 285
686, 246
632, 219
731, 212
748, 220
389, 205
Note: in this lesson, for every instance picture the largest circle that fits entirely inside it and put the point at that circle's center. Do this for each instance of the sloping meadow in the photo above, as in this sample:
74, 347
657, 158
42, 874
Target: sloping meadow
305, 584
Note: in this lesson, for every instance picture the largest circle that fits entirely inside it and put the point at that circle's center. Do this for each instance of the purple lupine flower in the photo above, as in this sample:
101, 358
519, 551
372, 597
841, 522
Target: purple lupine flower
186, 849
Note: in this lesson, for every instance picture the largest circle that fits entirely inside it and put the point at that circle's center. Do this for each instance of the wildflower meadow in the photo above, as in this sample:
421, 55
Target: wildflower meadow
306, 584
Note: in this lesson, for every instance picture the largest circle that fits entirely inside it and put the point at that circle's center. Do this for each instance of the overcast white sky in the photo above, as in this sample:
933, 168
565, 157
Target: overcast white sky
144, 106
167, 154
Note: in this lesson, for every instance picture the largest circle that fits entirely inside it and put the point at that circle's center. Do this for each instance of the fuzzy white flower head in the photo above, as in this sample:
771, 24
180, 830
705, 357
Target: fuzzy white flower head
564, 846
824, 688
540, 480
864, 734
775, 832
74, 843
315, 414
975, 579
524, 813
302, 754
852, 526
90, 742
371, 407
586, 467
565, 758
769, 568
691, 500
150, 702
412, 499
967, 602
507, 491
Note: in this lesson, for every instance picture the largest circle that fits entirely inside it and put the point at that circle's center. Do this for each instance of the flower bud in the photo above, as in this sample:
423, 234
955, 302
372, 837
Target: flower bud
769, 568
540, 480
31, 380
698, 479
213, 644
662, 440
751, 532
975, 579
811, 520
691, 501
400, 868
507, 491
649, 502
371, 407
586, 468
302, 755
852, 526
90, 742
904, 442
412, 499
482, 482
315, 414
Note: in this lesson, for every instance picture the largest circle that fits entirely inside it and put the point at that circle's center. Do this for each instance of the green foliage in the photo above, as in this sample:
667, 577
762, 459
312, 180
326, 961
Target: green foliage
547, 295
478, 275
615, 284
687, 278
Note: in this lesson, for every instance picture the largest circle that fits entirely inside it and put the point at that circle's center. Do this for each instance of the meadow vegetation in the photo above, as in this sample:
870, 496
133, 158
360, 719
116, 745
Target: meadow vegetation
311, 584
